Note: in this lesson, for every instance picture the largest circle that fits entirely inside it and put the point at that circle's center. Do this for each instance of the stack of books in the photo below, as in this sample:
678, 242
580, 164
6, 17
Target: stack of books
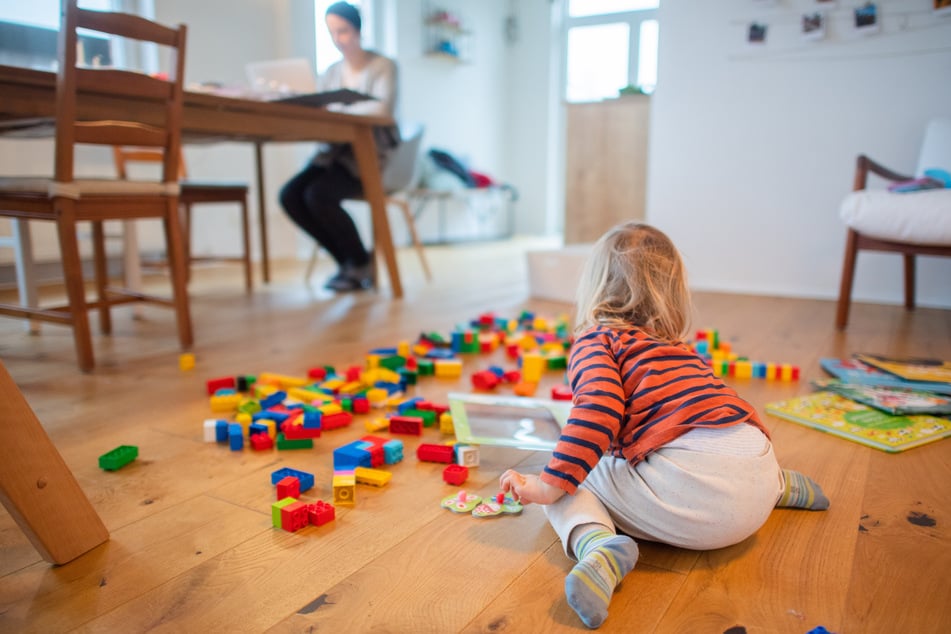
886, 403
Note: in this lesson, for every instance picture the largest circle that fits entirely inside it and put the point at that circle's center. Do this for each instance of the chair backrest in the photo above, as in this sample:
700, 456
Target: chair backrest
402, 167
157, 124
123, 155
936, 147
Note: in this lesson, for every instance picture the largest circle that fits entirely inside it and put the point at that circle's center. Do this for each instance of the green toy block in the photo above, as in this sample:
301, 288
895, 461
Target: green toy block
118, 457
302, 443
393, 362
557, 362
276, 510
409, 375
428, 416
427, 367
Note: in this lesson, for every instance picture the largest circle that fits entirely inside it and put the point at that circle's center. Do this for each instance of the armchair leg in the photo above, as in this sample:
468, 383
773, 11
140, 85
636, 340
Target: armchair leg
845, 288
909, 280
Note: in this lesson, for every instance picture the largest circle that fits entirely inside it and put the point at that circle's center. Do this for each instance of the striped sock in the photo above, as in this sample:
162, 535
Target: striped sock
802, 492
603, 560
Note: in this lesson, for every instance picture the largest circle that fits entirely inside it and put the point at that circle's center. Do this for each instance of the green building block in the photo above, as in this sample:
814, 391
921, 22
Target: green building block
393, 362
426, 367
276, 510
118, 457
301, 443
428, 416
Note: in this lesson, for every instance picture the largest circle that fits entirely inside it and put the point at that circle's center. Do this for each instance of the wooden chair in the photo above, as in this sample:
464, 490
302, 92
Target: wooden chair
190, 193
398, 177
917, 223
66, 200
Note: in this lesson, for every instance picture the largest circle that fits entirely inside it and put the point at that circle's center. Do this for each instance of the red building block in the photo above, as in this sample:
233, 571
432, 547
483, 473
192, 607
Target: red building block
288, 487
455, 474
294, 516
320, 512
213, 385
561, 393
361, 405
317, 373
435, 453
485, 380
410, 425
335, 421
512, 376
261, 442
353, 373
298, 432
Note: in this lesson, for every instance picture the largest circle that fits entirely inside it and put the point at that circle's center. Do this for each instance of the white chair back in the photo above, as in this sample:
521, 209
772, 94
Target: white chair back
401, 169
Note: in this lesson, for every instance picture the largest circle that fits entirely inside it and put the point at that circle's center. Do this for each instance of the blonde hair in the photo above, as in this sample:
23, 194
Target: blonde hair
635, 277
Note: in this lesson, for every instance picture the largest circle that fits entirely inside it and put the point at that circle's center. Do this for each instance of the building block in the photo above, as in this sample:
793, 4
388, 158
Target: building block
427, 452
448, 368
445, 424
186, 361
290, 443
455, 474
320, 512
373, 477
361, 405
283, 380
485, 380
426, 367
344, 487
294, 516
306, 479
408, 425
467, 455
428, 415
261, 442
118, 457
561, 392
378, 423
533, 366
235, 437
318, 374
213, 385
525, 388
288, 487
352, 455
335, 421
299, 432
276, 509
408, 404
393, 451
224, 402
210, 430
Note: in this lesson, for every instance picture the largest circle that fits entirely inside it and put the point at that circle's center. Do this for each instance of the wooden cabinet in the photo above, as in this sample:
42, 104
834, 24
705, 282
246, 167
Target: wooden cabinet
606, 165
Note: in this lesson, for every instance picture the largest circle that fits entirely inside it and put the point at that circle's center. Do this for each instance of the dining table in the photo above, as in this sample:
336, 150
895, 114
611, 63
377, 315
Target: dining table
27, 108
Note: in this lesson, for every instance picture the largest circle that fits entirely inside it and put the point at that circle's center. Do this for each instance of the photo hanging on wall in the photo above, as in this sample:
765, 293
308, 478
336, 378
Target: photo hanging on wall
756, 34
813, 26
866, 19
942, 7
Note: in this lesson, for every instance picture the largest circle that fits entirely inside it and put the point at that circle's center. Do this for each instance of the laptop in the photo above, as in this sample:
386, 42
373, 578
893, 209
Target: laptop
281, 77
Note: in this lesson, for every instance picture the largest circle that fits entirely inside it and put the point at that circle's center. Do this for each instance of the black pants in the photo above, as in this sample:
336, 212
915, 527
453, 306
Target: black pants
312, 200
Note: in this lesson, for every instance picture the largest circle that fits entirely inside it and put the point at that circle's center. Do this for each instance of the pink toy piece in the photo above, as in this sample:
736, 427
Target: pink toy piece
506, 506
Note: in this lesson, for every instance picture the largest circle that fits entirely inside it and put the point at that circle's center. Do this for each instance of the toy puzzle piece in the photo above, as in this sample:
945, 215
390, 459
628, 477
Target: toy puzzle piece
502, 504
461, 502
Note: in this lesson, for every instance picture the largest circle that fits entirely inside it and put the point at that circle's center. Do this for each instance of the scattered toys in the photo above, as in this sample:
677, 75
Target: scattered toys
118, 457
464, 502
719, 354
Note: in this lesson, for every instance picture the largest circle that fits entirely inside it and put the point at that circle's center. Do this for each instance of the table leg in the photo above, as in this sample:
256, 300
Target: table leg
364, 148
37, 487
262, 211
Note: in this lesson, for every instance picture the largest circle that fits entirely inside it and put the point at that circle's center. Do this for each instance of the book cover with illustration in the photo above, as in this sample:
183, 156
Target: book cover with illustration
934, 370
843, 417
854, 371
892, 400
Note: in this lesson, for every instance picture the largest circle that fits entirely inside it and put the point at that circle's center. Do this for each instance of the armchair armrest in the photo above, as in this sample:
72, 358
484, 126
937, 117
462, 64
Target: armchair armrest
864, 165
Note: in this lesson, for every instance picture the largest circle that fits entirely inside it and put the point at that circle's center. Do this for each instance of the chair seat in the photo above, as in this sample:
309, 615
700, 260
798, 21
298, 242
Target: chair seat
212, 185
914, 218
88, 187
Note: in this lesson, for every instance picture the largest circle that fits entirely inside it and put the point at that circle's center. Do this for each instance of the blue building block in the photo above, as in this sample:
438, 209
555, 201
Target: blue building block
306, 479
383, 352
409, 404
274, 399
221, 430
391, 388
257, 428
235, 436
441, 353
393, 451
312, 419
277, 417
353, 455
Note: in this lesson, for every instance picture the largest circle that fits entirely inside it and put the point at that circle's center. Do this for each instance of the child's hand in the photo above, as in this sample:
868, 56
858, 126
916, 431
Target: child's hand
529, 489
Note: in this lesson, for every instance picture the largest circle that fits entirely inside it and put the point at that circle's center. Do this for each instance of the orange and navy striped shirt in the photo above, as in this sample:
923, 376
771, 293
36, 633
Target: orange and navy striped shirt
632, 395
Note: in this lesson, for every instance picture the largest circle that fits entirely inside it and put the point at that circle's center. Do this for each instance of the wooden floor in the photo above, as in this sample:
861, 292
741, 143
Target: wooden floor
192, 548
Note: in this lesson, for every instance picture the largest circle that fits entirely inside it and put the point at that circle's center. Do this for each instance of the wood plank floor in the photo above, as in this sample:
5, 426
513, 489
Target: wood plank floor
192, 547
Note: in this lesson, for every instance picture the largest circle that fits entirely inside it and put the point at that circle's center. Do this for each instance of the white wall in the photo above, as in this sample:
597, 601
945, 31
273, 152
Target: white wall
752, 150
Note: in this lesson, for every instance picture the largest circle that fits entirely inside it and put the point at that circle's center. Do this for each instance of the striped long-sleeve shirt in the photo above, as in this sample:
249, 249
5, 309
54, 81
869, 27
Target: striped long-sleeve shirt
632, 395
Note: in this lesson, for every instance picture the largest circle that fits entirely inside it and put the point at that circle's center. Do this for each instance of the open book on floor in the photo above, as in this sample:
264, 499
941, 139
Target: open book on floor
855, 371
891, 400
843, 417
931, 370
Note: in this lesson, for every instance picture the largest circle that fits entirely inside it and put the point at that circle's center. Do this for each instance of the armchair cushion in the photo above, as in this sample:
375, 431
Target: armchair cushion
922, 217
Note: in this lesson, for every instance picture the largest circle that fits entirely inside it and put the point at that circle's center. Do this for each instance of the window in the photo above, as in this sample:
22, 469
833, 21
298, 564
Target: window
610, 44
327, 53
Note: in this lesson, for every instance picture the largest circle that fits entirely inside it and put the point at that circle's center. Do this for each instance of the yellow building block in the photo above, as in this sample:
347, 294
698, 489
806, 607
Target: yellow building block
243, 419
786, 374
262, 390
771, 371
344, 489
271, 427
448, 368
332, 384
377, 396
373, 477
373, 361
330, 408
305, 395
527, 342
744, 370
186, 361
377, 424
445, 424
533, 365
225, 402
540, 324
402, 349
420, 349
283, 380
352, 387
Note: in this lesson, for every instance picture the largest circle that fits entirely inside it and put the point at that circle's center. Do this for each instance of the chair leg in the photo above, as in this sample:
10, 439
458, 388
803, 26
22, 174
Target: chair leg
311, 264
909, 281
411, 225
132, 263
178, 267
25, 269
186, 226
73, 280
848, 272
246, 246
101, 275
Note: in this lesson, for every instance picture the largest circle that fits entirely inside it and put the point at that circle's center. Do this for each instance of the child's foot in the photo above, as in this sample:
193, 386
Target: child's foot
802, 492
603, 560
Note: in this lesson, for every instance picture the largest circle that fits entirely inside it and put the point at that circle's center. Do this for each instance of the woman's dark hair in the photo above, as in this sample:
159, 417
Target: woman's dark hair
346, 11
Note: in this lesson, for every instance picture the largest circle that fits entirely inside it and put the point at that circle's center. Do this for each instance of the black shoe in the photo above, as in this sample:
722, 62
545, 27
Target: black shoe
352, 278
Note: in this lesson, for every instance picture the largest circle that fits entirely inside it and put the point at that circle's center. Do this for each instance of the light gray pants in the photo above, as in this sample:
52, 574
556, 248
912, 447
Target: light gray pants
682, 497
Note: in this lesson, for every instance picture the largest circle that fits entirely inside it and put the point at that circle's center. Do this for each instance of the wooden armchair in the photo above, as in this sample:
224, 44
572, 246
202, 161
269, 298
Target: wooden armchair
914, 223
66, 200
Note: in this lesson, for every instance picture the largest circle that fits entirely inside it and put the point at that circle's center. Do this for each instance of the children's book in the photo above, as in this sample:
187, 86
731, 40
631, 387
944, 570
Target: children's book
843, 417
891, 400
854, 371
933, 370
